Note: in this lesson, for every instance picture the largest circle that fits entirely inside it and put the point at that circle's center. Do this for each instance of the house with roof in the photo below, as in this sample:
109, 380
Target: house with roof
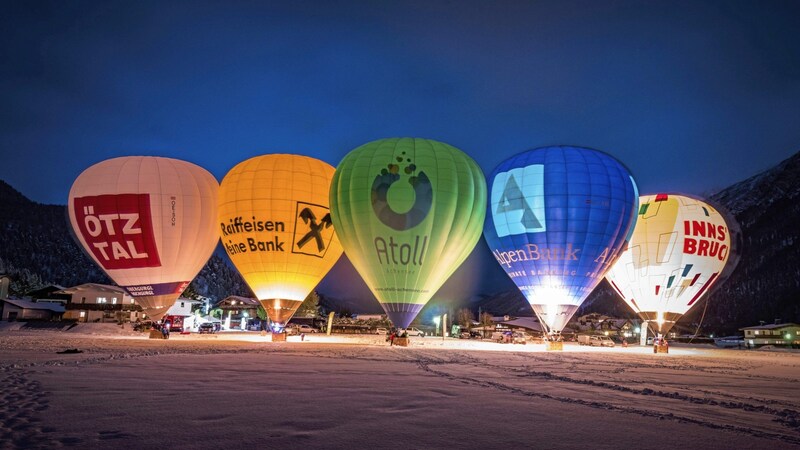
12, 309
94, 302
780, 334
237, 311
596, 323
48, 293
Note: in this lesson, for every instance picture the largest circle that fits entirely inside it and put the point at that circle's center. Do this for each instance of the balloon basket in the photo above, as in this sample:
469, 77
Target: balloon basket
402, 342
278, 337
555, 346
661, 348
156, 334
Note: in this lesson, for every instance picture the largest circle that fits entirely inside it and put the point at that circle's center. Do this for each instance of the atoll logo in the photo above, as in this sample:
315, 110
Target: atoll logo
420, 187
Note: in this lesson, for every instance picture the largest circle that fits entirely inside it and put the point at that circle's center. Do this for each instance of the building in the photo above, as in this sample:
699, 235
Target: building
180, 315
92, 302
14, 309
596, 323
48, 294
237, 311
782, 334
366, 317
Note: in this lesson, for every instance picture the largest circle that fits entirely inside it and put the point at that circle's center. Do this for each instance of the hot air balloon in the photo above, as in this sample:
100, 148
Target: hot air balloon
276, 227
408, 212
557, 219
149, 222
679, 249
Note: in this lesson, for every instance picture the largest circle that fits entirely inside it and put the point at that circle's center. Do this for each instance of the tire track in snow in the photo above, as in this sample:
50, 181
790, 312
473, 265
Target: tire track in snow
788, 418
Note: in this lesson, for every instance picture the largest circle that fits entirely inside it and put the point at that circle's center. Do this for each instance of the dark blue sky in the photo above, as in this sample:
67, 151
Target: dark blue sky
692, 96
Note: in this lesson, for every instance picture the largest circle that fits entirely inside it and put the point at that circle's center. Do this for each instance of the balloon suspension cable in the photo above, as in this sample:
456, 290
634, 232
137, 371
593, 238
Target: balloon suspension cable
545, 329
701, 321
652, 329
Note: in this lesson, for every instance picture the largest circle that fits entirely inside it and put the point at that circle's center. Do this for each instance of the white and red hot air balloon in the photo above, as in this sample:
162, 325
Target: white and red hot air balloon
680, 248
148, 222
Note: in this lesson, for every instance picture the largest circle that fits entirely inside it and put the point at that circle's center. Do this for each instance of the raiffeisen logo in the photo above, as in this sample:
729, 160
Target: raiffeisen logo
118, 229
518, 201
313, 230
401, 200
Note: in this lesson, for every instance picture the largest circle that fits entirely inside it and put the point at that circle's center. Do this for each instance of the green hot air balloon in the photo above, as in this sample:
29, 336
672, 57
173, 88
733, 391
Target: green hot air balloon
407, 212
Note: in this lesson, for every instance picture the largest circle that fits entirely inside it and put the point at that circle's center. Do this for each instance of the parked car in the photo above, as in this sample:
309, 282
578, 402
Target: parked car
595, 341
519, 337
206, 328
381, 331
297, 329
412, 332
467, 334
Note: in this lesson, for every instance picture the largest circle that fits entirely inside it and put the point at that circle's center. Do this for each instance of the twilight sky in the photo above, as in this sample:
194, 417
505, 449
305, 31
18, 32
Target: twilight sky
691, 95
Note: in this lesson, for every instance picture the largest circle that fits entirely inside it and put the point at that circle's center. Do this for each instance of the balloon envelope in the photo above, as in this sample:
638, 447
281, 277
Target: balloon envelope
678, 250
149, 222
408, 212
275, 226
557, 219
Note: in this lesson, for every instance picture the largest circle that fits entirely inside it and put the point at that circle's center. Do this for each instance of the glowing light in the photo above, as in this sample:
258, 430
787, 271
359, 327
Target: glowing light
557, 217
408, 212
277, 228
148, 222
678, 250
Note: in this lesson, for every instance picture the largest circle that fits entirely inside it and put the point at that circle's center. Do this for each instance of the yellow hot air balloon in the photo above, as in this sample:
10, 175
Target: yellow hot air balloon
275, 224
149, 222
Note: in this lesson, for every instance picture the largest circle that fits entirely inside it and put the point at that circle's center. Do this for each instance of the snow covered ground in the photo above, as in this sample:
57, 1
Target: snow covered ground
240, 390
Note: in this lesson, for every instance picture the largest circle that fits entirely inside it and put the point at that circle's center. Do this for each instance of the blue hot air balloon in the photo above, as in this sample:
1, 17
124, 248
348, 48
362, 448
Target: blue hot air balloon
557, 219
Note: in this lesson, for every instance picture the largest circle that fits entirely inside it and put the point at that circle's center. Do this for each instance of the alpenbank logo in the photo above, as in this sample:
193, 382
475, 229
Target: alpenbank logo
517, 201
118, 230
313, 230
420, 186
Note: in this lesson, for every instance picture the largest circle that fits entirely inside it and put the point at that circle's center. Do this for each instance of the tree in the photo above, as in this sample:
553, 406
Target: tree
464, 318
262, 316
486, 321
310, 306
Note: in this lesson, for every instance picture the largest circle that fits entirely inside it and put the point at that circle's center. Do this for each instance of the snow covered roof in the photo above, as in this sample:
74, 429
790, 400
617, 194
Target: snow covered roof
93, 287
524, 322
25, 304
239, 300
773, 326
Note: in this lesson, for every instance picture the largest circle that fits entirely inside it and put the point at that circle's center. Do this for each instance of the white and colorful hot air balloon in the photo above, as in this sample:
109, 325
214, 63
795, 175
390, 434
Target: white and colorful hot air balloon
148, 222
679, 248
